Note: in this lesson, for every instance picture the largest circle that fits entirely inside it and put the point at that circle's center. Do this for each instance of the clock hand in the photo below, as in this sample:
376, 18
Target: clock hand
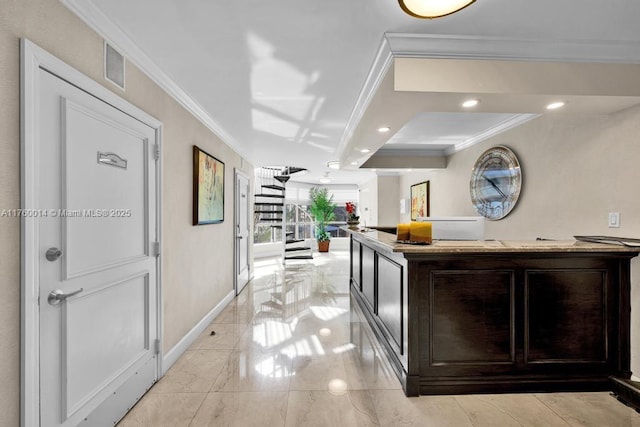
494, 185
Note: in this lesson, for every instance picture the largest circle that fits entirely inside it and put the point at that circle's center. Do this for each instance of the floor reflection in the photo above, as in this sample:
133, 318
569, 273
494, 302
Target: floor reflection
292, 350
302, 313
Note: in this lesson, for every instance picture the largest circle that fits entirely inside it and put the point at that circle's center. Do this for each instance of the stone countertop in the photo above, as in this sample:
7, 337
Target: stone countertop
489, 246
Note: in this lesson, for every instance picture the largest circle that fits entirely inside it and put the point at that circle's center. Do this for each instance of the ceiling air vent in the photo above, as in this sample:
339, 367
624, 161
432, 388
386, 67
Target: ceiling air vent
113, 66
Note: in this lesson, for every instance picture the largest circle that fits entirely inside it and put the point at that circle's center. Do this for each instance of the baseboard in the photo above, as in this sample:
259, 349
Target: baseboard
174, 354
626, 391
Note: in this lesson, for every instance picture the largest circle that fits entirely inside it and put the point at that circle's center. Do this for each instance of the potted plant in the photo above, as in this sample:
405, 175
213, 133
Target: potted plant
352, 219
322, 211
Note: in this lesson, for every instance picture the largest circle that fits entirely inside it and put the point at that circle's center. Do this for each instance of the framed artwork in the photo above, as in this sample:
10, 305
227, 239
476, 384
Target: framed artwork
419, 200
208, 188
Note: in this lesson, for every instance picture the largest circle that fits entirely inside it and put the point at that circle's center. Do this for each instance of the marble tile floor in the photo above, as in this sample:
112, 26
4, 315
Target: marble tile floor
289, 351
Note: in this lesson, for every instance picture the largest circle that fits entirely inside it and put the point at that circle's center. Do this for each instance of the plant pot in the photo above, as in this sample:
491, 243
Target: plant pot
323, 246
353, 224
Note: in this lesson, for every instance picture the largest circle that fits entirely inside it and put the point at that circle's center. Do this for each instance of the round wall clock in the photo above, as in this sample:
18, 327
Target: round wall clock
495, 182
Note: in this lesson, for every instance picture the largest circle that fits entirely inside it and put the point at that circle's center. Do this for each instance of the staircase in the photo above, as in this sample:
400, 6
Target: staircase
269, 208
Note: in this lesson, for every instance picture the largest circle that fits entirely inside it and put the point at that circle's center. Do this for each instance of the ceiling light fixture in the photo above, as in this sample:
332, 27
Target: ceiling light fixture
556, 105
429, 9
470, 103
333, 164
384, 129
365, 151
354, 163
325, 179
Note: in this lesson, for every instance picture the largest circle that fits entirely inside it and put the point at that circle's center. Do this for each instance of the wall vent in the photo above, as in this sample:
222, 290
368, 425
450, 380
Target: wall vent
114, 63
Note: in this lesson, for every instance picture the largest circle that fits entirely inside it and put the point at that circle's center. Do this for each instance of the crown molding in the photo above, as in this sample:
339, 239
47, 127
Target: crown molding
511, 122
381, 64
503, 126
399, 45
477, 47
101, 24
392, 45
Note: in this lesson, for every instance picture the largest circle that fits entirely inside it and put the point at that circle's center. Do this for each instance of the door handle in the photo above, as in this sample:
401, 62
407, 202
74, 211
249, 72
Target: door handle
238, 237
56, 296
53, 254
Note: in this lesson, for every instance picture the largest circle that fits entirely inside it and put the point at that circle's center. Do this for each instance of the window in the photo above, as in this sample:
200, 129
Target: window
299, 224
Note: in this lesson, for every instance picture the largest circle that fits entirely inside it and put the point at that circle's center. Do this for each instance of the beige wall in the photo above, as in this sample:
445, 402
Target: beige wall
197, 268
576, 169
389, 205
368, 202
379, 201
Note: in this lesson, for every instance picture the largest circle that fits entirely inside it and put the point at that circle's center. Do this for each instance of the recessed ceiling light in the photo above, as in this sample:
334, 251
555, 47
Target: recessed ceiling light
384, 129
409, 170
373, 170
354, 163
470, 103
325, 178
556, 105
333, 164
365, 151
325, 332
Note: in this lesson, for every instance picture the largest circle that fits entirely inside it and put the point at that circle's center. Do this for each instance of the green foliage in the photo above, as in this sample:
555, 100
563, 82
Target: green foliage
321, 209
323, 236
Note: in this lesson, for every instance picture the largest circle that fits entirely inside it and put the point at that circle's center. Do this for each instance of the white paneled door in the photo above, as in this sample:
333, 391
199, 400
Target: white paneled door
98, 282
243, 235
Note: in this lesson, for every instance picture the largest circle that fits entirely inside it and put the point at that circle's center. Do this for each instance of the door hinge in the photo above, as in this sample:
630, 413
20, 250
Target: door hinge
156, 249
156, 151
156, 346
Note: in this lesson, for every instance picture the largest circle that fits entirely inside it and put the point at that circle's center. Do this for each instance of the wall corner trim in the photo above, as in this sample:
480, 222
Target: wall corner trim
177, 350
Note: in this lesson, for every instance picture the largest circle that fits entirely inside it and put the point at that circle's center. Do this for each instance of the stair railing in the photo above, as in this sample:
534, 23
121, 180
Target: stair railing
302, 216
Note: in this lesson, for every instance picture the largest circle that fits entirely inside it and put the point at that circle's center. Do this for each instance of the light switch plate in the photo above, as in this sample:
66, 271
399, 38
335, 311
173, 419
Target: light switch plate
614, 220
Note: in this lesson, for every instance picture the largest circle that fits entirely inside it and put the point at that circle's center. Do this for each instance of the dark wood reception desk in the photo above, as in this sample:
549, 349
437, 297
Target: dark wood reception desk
496, 316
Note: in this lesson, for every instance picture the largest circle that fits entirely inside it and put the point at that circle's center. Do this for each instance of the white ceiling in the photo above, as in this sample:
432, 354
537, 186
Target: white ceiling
278, 80
442, 131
